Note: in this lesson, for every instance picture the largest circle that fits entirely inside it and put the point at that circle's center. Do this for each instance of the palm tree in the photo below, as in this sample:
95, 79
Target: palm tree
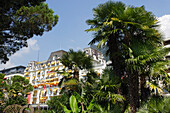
107, 33
103, 90
76, 61
147, 61
116, 26
156, 105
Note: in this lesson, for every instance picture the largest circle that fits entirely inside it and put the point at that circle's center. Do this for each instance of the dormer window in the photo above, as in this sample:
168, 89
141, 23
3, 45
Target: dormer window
54, 57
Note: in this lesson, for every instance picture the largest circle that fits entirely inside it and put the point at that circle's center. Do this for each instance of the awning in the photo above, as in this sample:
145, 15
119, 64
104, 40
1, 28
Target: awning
43, 91
47, 75
52, 83
55, 79
47, 80
26, 73
52, 68
69, 71
52, 63
43, 98
33, 77
48, 64
47, 83
38, 72
5, 78
56, 83
57, 68
55, 89
83, 75
43, 80
35, 91
52, 74
41, 84
27, 78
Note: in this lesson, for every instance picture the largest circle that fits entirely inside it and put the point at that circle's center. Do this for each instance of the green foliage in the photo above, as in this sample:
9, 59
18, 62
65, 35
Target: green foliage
14, 91
56, 102
3, 85
156, 105
18, 85
76, 60
103, 90
18, 89
73, 61
20, 100
77, 109
134, 45
20, 21
73, 104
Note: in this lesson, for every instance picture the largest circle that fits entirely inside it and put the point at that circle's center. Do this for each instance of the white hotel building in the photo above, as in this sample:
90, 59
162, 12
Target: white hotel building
45, 80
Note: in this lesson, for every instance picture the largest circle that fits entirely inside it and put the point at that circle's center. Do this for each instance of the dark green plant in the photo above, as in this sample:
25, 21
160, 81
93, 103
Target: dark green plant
156, 105
20, 21
116, 26
56, 102
76, 61
74, 105
18, 89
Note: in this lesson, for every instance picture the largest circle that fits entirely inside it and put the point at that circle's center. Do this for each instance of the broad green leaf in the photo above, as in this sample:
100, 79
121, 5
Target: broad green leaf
73, 104
66, 110
90, 105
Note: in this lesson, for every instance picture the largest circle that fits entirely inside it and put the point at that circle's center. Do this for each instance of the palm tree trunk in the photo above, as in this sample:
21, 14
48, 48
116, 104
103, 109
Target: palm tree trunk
144, 91
115, 56
133, 92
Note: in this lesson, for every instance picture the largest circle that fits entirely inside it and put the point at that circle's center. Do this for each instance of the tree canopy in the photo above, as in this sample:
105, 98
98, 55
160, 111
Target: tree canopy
20, 20
14, 91
134, 45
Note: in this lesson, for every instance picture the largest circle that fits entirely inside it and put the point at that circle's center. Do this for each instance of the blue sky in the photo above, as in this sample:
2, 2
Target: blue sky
69, 32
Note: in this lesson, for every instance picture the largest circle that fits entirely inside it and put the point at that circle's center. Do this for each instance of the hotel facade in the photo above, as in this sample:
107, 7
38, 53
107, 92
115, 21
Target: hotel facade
44, 77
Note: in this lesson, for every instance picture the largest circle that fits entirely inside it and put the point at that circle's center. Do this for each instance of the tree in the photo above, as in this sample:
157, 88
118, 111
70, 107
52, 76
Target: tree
103, 90
3, 87
148, 62
76, 61
17, 90
156, 105
107, 35
117, 26
56, 102
20, 21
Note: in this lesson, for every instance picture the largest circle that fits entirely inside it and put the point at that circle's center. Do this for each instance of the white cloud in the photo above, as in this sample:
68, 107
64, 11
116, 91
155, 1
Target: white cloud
7, 65
32, 46
165, 25
73, 41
